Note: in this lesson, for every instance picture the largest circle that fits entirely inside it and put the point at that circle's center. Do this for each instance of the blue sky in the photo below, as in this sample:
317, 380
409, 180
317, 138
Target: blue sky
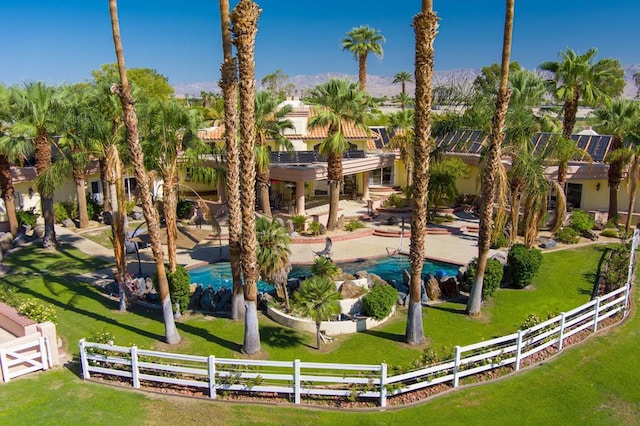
62, 41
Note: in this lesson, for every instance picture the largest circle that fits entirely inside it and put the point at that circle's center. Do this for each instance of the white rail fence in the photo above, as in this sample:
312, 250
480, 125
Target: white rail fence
296, 379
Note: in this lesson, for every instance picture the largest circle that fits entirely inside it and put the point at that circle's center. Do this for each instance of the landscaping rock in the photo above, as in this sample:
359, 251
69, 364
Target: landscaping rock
21, 240
349, 290
449, 288
433, 288
68, 223
500, 257
323, 229
38, 231
194, 301
6, 241
288, 224
340, 224
207, 299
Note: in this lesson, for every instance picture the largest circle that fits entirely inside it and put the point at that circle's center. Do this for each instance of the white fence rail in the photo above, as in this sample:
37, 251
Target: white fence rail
296, 379
24, 355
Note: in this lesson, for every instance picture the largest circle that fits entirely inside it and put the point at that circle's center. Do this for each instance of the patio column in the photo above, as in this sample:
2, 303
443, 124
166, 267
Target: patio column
300, 197
222, 195
365, 185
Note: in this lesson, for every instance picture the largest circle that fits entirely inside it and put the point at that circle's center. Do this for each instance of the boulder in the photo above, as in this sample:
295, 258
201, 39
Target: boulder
207, 299
38, 231
500, 257
6, 241
21, 240
323, 229
68, 223
107, 218
137, 213
349, 290
288, 224
449, 287
194, 301
433, 288
340, 224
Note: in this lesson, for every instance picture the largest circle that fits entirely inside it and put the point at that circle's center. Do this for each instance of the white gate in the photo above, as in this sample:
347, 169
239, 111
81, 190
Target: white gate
24, 355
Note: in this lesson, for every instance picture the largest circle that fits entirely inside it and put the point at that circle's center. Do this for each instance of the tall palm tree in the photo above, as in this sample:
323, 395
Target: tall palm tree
403, 77
619, 119
123, 90
36, 104
361, 41
634, 178
169, 129
491, 166
245, 26
425, 26
229, 86
402, 123
404, 100
317, 298
338, 103
270, 124
273, 255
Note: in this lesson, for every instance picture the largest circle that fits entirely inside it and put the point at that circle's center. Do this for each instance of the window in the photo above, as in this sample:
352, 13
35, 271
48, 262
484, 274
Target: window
130, 186
574, 195
381, 177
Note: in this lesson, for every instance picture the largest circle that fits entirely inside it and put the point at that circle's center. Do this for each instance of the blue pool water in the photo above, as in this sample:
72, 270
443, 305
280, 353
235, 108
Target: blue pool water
218, 275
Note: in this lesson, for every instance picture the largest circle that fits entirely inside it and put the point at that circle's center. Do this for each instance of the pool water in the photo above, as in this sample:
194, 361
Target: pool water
218, 275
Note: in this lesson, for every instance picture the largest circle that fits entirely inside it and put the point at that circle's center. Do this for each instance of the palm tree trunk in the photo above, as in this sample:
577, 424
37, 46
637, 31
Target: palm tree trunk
489, 174
515, 214
150, 213
106, 196
334, 166
614, 177
263, 188
8, 192
633, 186
425, 25
170, 205
43, 162
318, 334
362, 71
229, 85
82, 201
245, 19
570, 112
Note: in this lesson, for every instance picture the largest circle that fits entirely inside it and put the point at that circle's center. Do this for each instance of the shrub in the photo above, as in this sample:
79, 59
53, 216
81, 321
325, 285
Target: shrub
616, 272
60, 212
103, 336
7, 296
184, 209
299, 222
179, 287
396, 201
129, 205
37, 311
379, 301
315, 228
325, 266
581, 221
26, 217
568, 236
493, 274
523, 264
93, 208
610, 233
353, 225
501, 241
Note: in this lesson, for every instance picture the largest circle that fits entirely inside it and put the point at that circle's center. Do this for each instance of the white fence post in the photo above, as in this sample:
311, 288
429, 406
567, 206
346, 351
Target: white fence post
563, 318
212, 377
518, 349
383, 385
47, 344
83, 360
43, 353
296, 381
595, 315
456, 367
134, 367
3, 366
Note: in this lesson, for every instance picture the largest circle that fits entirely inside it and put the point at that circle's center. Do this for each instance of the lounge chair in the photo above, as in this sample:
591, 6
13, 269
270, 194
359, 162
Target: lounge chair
327, 249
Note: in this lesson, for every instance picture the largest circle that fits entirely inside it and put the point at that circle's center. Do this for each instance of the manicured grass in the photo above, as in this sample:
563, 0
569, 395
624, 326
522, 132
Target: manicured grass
585, 384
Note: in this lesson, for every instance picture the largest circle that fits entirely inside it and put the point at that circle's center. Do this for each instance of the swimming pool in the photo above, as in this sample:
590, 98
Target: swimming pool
218, 275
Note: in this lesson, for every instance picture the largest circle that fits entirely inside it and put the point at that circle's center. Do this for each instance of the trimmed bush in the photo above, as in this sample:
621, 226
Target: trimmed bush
501, 241
184, 208
493, 274
379, 301
60, 212
568, 236
353, 225
179, 287
581, 221
523, 264
314, 228
609, 232
298, 221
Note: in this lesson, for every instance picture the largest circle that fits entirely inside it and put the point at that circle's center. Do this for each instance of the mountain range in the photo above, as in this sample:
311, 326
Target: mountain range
383, 85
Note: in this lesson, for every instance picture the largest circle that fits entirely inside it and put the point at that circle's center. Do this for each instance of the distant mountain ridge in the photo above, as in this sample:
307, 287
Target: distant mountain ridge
383, 85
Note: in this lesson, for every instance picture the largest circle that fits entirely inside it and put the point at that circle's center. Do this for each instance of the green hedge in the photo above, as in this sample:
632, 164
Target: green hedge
380, 300
493, 275
523, 264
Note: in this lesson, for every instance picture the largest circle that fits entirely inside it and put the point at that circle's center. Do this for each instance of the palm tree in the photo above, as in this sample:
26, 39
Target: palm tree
123, 90
229, 86
619, 119
273, 255
404, 100
491, 166
402, 123
36, 104
270, 124
317, 298
338, 103
634, 177
361, 41
245, 26
425, 26
168, 129
403, 77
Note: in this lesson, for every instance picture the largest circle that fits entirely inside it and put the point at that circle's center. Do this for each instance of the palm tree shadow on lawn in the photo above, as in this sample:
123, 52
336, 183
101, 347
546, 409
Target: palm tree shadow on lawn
280, 337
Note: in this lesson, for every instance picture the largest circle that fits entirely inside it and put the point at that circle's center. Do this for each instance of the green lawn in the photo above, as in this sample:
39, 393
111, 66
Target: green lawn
585, 384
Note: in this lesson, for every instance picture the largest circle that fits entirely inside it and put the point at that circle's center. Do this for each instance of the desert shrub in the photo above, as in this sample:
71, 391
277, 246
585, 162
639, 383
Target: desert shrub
93, 208
396, 201
379, 301
129, 205
568, 235
581, 221
501, 241
616, 272
611, 223
26, 217
60, 212
299, 221
179, 287
353, 225
314, 228
609, 232
523, 264
184, 209
493, 274
325, 266
37, 311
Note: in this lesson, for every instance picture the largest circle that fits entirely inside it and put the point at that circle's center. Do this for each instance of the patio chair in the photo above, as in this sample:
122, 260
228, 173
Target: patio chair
326, 252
